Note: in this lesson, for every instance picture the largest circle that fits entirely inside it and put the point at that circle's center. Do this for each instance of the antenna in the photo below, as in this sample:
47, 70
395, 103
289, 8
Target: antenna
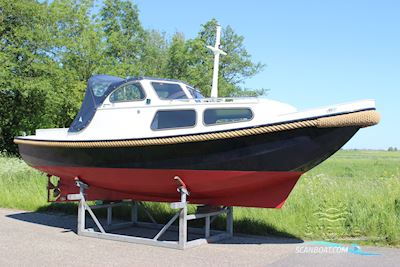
217, 52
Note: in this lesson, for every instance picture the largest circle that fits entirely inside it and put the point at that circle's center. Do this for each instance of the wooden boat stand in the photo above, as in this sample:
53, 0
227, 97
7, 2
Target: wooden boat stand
182, 215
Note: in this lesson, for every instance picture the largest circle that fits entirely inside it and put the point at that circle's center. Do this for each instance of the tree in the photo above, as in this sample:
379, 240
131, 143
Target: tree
154, 57
177, 64
78, 50
237, 65
47, 52
191, 61
24, 48
125, 37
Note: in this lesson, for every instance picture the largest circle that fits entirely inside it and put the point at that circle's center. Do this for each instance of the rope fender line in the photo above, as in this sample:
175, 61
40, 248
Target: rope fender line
360, 119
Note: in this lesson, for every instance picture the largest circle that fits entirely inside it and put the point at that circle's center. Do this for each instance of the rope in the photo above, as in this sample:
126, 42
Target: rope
360, 119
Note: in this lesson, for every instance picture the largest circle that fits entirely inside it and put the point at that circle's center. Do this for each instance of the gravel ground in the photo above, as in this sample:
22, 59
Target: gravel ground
37, 239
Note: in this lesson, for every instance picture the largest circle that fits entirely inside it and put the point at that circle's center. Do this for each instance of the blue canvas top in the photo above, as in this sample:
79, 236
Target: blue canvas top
98, 88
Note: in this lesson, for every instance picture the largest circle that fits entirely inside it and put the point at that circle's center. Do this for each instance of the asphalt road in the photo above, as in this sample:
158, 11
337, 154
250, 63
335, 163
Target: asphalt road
35, 239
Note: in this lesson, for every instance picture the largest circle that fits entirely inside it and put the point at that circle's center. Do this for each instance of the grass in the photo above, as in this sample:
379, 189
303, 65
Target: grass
352, 197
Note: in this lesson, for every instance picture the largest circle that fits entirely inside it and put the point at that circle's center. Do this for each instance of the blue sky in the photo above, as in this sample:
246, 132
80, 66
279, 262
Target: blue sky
317, 52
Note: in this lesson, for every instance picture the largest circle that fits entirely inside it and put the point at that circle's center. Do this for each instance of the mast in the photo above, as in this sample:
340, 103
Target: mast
217, 52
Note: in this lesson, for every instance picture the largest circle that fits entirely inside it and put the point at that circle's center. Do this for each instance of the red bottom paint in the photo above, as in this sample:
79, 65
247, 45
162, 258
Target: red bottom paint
229, 188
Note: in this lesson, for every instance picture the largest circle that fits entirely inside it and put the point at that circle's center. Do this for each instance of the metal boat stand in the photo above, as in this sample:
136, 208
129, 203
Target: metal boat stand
182, 215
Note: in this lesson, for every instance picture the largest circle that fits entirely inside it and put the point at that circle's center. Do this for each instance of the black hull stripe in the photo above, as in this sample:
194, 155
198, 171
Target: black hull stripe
292, 150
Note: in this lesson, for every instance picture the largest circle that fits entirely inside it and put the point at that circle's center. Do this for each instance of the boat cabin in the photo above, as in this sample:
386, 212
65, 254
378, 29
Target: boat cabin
106, 90
135, 108
146, 106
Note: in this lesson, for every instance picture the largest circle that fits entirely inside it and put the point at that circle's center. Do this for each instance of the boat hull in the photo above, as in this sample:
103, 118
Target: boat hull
252, 171
229, 188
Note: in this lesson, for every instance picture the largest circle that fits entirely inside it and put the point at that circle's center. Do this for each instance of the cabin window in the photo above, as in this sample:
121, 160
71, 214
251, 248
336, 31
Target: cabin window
168, 119
169, 90
226, 115
128, 92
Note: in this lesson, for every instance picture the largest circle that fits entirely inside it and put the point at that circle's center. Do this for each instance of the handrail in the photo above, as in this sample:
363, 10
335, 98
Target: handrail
252, 99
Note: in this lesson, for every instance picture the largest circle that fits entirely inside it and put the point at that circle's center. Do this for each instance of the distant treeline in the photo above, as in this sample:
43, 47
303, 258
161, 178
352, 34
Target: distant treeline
49, 49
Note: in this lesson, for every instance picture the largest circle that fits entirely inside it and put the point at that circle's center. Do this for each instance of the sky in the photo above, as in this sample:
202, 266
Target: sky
317, 53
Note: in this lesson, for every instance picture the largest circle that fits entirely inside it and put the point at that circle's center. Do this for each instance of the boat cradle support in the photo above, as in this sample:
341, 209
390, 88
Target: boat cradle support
182, 216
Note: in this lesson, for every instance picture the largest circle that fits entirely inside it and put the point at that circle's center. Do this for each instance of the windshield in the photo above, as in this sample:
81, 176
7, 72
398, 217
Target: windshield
194, 92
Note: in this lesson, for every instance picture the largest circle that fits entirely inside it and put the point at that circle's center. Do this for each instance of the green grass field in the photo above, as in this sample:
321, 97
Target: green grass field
352, 197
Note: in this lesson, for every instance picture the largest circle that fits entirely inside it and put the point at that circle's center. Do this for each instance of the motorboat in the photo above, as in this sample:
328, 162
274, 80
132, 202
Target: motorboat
132, 136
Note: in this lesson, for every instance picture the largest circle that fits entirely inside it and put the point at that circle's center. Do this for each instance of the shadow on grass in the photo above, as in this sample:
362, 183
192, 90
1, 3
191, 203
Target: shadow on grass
247, 231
